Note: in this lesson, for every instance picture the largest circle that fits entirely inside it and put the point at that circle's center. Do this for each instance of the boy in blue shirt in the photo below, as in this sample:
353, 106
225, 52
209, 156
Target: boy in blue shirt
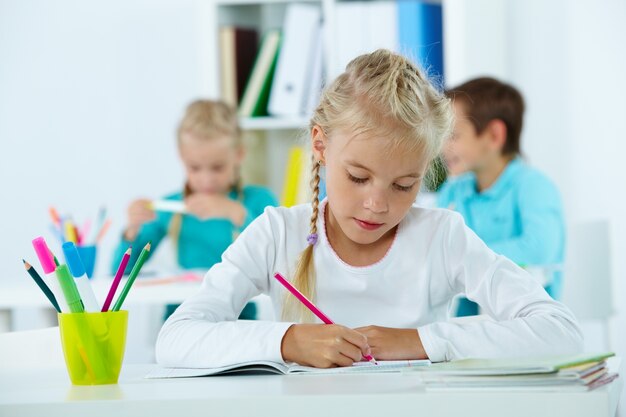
515, 209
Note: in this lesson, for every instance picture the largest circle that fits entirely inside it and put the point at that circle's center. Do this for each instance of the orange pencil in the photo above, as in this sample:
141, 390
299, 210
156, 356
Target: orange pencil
103, 231
56, 219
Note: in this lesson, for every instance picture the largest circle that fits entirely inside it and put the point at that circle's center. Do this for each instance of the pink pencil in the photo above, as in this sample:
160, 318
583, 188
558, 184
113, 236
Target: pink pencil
311, 306
116, 280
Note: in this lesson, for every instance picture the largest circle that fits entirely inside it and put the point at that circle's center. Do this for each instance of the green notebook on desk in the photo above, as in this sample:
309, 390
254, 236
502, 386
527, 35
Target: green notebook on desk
268, 367
516, 366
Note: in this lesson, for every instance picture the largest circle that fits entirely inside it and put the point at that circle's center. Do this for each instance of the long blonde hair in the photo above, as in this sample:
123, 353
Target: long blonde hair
207, 120
383, 93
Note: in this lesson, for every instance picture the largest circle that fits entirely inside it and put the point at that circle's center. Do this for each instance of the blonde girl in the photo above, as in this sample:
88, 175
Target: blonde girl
217, 205
383, 269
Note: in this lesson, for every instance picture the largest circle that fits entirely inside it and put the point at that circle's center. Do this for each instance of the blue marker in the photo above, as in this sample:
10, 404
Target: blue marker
77, 269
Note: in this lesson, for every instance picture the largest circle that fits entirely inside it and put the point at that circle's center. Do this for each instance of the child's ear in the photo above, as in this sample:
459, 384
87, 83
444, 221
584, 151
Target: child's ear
318, 143
497, 133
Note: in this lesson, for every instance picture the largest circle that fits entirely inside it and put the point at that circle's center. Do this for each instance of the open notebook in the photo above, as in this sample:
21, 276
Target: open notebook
269, 367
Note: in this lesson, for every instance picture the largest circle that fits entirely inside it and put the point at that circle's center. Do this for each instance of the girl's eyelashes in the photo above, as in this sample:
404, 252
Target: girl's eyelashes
356, 179
403, 188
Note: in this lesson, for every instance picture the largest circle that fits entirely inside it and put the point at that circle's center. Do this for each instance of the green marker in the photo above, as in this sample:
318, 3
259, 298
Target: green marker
131, 278
68, 286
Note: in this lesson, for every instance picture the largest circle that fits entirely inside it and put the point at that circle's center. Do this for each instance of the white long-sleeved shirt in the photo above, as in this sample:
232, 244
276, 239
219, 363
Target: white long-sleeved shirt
433, 257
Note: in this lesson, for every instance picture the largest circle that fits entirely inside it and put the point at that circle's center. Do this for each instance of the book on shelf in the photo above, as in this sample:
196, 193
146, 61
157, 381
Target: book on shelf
256, 93
300, 36
576, 373
269, 367
238, 49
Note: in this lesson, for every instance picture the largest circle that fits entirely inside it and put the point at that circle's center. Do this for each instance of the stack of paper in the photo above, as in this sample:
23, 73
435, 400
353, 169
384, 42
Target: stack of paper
576, 373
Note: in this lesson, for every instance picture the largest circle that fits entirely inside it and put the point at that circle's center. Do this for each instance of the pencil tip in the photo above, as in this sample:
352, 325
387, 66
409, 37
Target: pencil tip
26, 264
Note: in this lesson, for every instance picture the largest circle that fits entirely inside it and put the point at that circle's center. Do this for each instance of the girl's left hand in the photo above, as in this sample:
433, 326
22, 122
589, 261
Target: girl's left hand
393, 344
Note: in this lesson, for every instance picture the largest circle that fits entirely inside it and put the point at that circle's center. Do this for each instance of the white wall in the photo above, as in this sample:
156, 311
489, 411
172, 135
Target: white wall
90, 94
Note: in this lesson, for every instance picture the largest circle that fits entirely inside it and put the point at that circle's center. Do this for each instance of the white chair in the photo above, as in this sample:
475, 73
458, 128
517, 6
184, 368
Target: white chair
587, 274
31, 349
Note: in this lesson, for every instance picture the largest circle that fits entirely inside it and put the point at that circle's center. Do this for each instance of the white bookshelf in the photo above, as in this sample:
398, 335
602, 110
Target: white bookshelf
268, 139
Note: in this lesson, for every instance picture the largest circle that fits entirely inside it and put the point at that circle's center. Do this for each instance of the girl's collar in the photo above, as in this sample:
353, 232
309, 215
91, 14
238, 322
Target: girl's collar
323, 239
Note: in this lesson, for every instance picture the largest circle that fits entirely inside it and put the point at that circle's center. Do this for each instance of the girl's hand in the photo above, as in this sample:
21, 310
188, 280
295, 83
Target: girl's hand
139, 212
394, 344
323, 345
205, 206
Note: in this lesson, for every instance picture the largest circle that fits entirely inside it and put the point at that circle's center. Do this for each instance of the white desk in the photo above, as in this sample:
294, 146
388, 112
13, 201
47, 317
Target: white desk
49, 393
25, 294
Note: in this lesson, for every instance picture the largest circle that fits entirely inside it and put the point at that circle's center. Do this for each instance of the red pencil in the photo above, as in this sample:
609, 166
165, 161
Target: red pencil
309, 304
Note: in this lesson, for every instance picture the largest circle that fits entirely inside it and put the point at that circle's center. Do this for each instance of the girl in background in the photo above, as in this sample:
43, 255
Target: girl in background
218, 206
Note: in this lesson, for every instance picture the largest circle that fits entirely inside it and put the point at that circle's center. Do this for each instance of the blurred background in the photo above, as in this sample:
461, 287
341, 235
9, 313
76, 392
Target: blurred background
91, 94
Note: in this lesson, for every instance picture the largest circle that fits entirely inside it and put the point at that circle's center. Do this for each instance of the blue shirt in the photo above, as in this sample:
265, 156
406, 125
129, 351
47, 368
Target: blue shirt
201, 242
520, 216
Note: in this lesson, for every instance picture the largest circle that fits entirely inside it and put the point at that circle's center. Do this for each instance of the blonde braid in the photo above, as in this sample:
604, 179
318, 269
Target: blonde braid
304, 278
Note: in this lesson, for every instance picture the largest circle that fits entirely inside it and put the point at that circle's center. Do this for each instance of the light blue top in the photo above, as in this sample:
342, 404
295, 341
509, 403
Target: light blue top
201, 242
520, 216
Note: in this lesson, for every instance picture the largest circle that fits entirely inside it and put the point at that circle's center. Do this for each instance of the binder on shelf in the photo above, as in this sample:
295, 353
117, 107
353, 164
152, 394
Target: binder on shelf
256, 94
315, 79
421, 34
300, 34
363, 27
238, 49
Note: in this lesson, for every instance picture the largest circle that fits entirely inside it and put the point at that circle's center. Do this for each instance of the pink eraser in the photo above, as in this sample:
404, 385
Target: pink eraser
44, 255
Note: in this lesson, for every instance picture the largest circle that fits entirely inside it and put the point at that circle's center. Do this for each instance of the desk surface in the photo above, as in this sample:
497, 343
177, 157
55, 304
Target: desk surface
49, 393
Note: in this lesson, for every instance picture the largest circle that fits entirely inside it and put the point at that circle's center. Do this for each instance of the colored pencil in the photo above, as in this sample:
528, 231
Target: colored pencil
54, 214
70, 231
117, 279
131, 278
103, 231
37, 278
309, 304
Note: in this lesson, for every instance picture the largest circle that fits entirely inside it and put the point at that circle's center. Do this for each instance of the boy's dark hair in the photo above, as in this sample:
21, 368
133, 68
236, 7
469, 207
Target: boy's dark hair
486, 99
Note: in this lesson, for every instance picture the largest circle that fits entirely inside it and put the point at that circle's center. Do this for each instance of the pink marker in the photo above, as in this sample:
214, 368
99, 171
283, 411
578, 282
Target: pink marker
309, 304
47, 264
116, 280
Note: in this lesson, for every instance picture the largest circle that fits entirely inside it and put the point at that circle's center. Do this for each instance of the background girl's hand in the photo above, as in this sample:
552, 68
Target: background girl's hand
323, 345
205, 206
139, 212
394, 344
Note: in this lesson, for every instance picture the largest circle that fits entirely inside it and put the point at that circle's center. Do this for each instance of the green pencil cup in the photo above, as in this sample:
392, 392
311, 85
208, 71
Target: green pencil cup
93, 346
